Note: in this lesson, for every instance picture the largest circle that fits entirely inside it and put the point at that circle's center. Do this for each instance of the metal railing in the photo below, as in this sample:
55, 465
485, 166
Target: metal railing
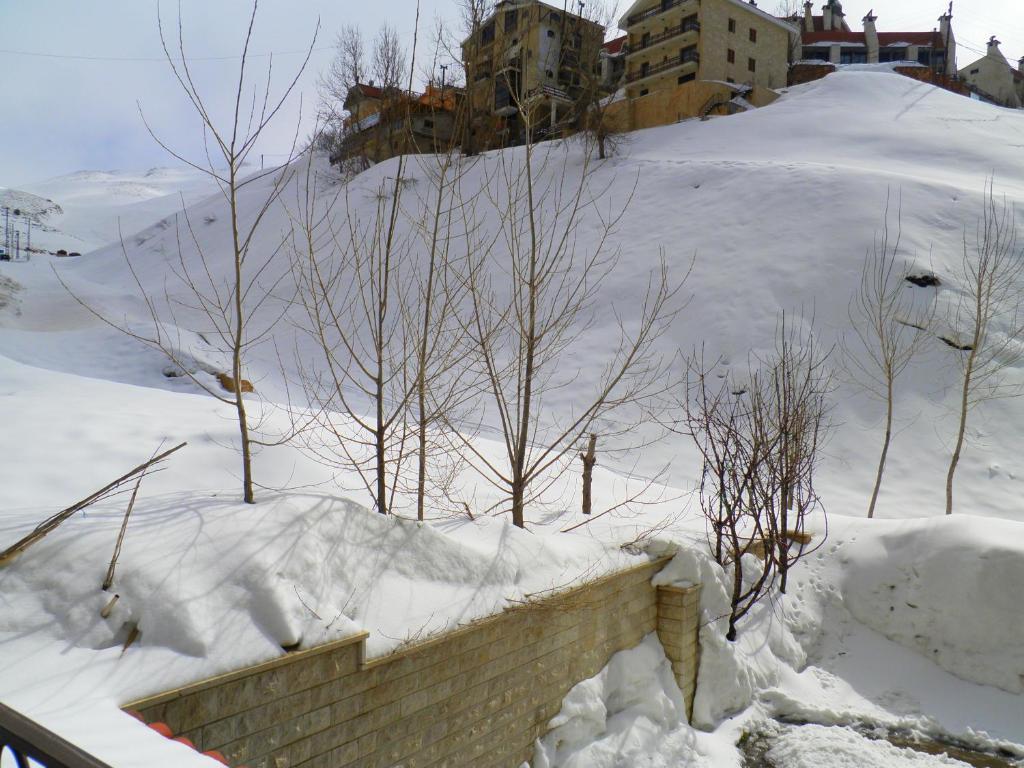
689, 56
26, 740
665, 5
690, 25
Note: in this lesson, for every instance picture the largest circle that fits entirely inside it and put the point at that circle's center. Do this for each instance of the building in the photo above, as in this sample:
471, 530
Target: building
613, 63
527, 66
674, 42
994, 79
828, 38
385, 122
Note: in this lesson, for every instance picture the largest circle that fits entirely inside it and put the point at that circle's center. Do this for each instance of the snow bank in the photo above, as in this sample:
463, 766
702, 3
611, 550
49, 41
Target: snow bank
949, 588
815, 746
731, 673
619, 717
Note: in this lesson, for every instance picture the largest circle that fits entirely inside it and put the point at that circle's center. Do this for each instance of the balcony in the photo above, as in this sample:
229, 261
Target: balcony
650, 13
649, 41
689, 56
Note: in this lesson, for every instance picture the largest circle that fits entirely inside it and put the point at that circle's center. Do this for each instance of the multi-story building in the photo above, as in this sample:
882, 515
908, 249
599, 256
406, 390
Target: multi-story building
527, 65
828, 38
673, 42
385, 122
994, 79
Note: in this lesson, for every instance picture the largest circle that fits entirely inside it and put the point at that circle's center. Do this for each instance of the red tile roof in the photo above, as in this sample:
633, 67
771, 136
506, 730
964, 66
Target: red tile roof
885, 39
370, 91
833, 36
913, 38
613, 47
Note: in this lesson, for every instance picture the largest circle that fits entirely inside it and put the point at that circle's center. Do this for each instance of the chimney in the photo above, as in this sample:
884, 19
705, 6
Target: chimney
826, 15
808, 16
944, 24
1020, 64
837, 15
993, 46
871, 36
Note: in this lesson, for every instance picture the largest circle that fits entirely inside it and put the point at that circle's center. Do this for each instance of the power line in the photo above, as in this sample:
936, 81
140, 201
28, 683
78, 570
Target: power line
177, 59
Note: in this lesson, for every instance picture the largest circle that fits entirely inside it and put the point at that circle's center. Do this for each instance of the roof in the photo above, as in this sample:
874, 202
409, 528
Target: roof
910, 38
369, 91
613, 47
885, 39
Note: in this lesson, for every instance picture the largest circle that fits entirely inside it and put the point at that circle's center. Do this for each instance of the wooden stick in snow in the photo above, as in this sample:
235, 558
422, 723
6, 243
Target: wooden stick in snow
51, 523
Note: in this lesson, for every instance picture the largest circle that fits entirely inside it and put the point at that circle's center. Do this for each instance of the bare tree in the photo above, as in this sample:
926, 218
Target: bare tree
236, 295
347, 274
380, 309
347, 69
760, 441
472, 15
595, 113
987, 321
790, 412
735, 451
888, 331
533, 298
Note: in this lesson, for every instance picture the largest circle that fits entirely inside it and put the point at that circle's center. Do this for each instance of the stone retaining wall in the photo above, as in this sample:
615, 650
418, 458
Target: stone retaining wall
478, 696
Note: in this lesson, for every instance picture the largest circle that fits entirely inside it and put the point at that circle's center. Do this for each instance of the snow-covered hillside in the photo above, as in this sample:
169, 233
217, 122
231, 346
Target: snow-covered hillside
775, 208
85, 210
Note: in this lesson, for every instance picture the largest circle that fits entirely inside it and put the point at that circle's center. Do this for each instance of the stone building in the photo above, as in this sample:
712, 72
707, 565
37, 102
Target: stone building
527, 67
386, 122
828, 38
994, 79
674, 42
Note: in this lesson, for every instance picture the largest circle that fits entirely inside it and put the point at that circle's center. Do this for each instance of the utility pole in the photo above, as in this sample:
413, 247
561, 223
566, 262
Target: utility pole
7, 231
17, 246
28, 245
444, 70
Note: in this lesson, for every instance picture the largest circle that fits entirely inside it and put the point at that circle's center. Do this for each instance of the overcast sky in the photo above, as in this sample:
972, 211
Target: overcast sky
76, 73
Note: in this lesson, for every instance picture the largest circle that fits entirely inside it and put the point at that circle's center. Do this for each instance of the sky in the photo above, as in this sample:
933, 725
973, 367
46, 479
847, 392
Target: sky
76, 74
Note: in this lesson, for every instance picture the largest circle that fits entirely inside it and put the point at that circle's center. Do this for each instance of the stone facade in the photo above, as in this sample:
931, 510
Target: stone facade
478, 696
673, 42
682, 102
994, 79
526, 68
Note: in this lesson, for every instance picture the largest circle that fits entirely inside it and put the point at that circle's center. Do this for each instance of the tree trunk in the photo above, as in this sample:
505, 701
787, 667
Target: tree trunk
589, 460
518, 493
961, 431
236, 352
421, 479
885, 449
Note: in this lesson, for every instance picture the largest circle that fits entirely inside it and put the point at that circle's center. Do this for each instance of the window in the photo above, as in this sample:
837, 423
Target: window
753, 35
510, 21
752, 65
487, 34
732, 25
976, 70
644, 92
686, 78
428, 123
729, 80
549, 73
551, 33
731, 56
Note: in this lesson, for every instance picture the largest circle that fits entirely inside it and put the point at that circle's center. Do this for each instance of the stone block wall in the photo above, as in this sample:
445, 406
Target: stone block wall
478, 696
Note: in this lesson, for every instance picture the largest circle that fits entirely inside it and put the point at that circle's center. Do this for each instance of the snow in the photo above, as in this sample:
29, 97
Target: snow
618, 717
814, 746
776, 206
925, 567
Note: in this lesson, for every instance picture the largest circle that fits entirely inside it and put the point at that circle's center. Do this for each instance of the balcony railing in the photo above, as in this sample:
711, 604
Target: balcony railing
690, 25
26, 740
689, 56
663, 6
